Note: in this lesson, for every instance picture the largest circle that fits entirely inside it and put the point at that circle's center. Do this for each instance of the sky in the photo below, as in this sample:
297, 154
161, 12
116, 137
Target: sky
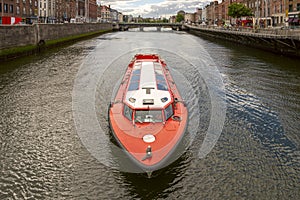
154, 8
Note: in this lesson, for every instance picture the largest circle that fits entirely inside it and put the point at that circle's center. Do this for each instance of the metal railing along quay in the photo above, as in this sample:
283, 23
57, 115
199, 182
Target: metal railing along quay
291, 33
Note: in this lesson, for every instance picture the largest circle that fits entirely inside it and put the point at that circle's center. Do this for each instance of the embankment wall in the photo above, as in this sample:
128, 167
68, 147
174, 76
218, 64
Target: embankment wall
285, 42
22, 35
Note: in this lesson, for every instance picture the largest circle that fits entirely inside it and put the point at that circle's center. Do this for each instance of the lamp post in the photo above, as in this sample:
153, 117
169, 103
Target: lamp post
256, 13
266, 13
213, 13
286, 5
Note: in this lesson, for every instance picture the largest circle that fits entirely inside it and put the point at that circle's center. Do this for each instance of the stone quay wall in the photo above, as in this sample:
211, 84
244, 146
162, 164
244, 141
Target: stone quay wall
279, 41
22, 35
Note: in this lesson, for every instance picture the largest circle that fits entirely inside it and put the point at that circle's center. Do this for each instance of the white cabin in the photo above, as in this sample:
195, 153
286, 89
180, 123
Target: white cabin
148, 87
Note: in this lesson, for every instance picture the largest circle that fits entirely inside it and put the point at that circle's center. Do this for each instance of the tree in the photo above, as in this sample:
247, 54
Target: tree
179, 18
165, 20
237, 10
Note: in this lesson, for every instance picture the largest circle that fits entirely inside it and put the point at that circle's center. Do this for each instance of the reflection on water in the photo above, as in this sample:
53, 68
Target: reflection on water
256, 157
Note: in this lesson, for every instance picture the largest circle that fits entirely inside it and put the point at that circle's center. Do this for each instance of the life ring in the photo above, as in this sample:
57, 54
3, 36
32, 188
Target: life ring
176, 118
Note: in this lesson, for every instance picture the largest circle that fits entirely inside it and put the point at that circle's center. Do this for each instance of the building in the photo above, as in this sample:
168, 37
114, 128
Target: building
114, 15
25, 9
70, 11
198, 16
293, 12
7, 8
120, 17
267, 13
204, 14
189, 18
92, 11
105, 14
277, 12
172, 19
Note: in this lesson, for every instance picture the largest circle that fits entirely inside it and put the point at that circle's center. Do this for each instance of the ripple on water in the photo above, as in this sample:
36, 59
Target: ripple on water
256, 157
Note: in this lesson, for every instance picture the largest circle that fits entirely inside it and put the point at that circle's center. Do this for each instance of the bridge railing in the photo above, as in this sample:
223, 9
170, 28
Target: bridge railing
149, 24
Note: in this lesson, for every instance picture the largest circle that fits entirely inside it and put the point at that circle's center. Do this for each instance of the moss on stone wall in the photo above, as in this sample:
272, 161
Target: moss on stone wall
15, 52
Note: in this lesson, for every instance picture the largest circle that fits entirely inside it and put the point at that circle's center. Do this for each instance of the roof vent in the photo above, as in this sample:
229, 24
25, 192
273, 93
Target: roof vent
148, 89
132, 100
165, 99
148, 101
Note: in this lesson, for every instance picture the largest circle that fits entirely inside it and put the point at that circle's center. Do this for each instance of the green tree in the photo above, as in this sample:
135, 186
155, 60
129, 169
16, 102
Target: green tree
179, 18
237, 10
165, 20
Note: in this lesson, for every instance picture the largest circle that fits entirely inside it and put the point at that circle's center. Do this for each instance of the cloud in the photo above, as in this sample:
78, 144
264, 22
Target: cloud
155, 8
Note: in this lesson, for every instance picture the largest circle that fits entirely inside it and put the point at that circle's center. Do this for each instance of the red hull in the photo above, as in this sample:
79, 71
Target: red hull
166, 133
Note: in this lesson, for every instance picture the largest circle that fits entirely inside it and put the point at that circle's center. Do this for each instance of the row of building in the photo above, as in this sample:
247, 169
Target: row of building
57, 11
272, 12
266, 12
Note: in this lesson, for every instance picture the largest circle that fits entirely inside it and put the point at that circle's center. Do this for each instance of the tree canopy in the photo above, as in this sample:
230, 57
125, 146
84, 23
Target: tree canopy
179, 18
238, 10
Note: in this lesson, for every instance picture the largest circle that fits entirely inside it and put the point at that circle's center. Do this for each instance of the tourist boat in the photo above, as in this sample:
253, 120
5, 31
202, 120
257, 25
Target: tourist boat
147, 116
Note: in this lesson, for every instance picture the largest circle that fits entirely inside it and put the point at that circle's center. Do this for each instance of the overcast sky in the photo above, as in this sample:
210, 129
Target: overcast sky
154, 8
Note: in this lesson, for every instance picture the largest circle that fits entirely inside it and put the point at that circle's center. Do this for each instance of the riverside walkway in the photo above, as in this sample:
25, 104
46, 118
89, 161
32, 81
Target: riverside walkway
282, 41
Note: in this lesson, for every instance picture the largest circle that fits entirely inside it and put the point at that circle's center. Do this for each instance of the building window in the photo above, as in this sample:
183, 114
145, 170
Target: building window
1, 7
6, 8
24, 11
35, 3
30, 11
290, 8
298, 6
11, 8
18, 10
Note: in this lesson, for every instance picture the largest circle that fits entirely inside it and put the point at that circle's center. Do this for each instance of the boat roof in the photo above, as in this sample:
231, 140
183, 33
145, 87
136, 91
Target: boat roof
148, 87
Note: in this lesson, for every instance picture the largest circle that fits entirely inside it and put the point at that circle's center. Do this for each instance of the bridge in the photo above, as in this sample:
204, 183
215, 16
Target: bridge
141, 25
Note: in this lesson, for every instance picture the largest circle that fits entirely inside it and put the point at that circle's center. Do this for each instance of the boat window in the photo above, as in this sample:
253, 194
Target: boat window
136, 72
133, 86
160, 80
135, 80
142, 116
160, 77
169, 112
128, 112
162, 86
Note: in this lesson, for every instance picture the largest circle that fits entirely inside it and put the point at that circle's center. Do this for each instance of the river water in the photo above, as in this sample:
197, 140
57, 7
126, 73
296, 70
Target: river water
243, 134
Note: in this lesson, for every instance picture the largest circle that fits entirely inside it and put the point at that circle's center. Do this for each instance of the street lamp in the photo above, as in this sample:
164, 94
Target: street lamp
266, 13
286, 5
257, 13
